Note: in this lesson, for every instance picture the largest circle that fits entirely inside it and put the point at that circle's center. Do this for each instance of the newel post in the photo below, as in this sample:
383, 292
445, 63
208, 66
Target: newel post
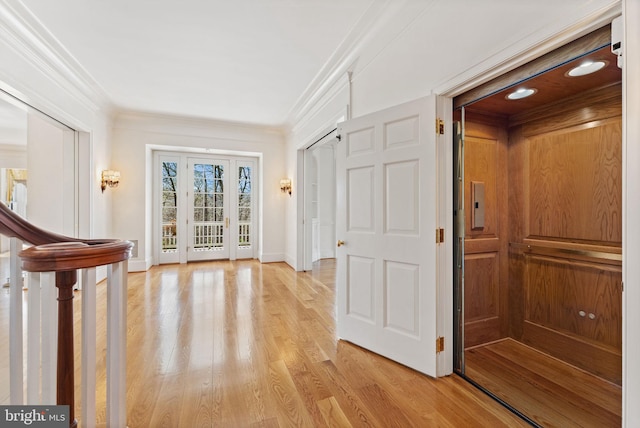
65, 386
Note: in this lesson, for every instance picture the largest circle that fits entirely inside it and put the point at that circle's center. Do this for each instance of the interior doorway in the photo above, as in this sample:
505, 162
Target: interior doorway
539, 248
320, 201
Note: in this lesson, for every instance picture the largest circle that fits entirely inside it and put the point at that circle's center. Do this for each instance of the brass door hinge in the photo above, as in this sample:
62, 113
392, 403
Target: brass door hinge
439, 126
439, 236
439, 344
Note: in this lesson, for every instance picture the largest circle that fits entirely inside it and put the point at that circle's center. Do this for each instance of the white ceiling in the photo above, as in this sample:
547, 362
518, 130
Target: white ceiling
233, 60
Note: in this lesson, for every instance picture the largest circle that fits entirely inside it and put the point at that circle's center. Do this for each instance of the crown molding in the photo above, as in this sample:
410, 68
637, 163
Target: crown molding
338, 86
198, 127
21, 31
344, 58
382, 22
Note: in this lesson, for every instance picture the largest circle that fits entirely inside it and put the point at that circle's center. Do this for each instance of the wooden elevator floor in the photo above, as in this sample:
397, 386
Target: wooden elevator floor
547, 390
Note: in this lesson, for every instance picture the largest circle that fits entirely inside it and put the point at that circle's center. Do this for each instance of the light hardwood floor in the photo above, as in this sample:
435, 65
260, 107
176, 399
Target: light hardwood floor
244, 344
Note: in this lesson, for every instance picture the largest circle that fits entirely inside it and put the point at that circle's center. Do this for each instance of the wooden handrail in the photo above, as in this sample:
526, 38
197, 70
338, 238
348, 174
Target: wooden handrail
12, 225
63, 255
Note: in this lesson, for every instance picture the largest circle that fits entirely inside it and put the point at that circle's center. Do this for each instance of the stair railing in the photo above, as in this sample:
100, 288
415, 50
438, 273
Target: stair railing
53, 261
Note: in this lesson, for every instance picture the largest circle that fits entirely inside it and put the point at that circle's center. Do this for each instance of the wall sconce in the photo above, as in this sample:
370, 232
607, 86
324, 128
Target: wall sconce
109, 178
285, 185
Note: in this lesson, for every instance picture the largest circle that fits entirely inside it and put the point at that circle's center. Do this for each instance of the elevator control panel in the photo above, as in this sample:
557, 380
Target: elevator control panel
477, 205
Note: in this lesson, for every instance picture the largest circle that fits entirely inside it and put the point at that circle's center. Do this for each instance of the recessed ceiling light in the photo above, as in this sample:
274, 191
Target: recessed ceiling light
586, 68
521, 93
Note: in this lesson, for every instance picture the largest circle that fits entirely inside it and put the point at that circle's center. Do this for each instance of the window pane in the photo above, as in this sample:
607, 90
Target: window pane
168, 215
244, 206
244, 214
198, 214
169, 204
244, 200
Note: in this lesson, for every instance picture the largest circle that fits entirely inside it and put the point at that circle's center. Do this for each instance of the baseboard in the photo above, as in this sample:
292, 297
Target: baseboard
271, 257
139, 265
600, 360
290, 261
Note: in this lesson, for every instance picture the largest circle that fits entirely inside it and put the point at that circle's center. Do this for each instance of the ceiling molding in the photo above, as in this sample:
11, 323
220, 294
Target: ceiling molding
197, 127
383, 21
29, 39
344, 57
333, 90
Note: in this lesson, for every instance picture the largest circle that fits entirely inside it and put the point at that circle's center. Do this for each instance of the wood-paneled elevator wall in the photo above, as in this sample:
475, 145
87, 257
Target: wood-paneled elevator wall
545, 267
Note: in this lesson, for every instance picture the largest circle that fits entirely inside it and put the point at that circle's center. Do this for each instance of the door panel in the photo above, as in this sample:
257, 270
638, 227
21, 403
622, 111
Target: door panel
170, 216
245, 218
567, 282
208, 202
386, 216
486, 261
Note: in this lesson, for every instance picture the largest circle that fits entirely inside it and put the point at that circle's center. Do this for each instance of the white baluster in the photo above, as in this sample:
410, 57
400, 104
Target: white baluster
15, 324
33, 339
49, 307
88, 347
116, 344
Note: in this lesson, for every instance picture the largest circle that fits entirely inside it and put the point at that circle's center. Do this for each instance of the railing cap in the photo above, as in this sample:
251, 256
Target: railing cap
65, 256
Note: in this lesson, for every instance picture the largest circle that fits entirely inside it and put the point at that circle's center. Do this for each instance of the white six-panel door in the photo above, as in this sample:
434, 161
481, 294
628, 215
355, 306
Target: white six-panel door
386, 222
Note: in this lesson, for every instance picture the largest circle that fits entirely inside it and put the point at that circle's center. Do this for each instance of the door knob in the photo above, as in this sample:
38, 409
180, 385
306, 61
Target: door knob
340, 243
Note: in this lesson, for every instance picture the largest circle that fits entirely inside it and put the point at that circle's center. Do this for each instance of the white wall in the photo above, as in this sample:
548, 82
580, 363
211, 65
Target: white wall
47, 202
101, 203
135, 138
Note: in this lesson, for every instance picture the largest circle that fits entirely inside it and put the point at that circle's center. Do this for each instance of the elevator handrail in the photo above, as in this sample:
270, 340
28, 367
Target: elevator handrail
602, 256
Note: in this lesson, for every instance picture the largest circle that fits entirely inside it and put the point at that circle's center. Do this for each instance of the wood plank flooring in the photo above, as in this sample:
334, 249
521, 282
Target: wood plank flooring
244, 344
545, 389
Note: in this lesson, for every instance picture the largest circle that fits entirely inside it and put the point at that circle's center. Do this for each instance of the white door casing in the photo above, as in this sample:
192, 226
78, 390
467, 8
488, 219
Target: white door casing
387, 275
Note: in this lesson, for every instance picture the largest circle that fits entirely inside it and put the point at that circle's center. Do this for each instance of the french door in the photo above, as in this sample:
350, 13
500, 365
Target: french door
206, 208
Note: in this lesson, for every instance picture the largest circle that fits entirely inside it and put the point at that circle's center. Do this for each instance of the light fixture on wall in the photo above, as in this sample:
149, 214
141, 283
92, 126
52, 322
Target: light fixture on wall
285, 185
109, 178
